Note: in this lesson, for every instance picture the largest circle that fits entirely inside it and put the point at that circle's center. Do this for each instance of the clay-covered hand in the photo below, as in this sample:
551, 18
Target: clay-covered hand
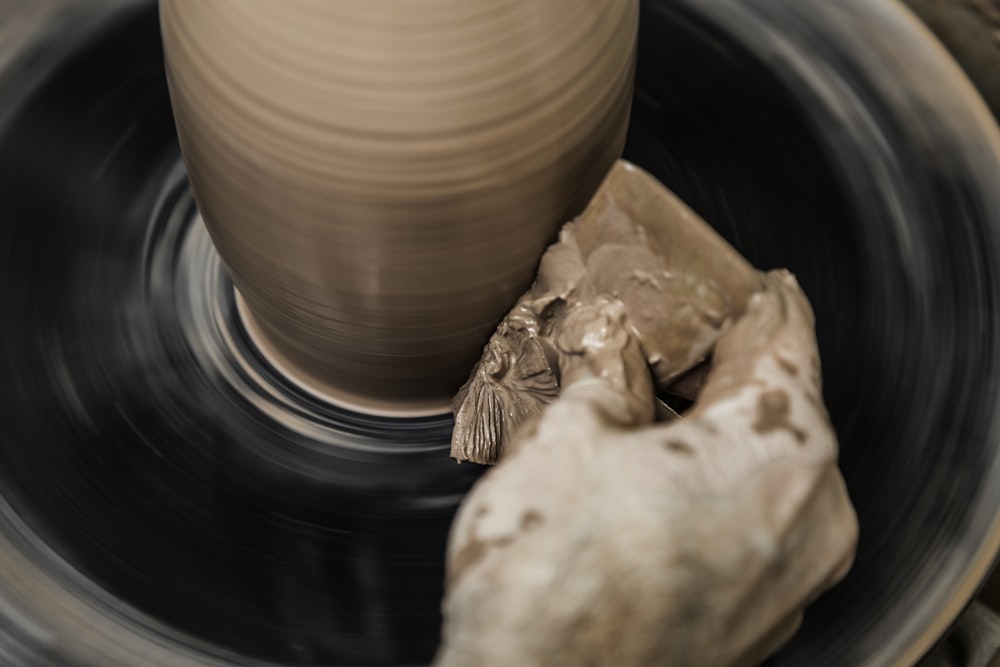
602, 538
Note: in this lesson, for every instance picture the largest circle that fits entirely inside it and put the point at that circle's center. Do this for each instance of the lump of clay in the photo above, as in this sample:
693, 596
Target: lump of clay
679, 283
602, 538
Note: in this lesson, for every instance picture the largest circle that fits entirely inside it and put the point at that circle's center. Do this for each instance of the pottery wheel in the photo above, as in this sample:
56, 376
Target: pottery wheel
169, 499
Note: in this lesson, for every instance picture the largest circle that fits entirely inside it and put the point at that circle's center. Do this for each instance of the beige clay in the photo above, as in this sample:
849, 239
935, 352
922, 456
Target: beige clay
381, 177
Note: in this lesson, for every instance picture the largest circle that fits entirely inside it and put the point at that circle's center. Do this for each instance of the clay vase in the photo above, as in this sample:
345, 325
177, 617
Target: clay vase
381, 178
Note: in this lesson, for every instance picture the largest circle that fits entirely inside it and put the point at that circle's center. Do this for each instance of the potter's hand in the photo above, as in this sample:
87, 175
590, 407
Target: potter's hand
605, 539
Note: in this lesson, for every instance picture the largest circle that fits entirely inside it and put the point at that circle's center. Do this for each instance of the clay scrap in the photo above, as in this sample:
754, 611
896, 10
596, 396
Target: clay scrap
678, 283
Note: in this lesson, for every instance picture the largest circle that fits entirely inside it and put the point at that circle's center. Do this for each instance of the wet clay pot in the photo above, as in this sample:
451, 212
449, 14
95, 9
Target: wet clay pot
381, 178
168, 498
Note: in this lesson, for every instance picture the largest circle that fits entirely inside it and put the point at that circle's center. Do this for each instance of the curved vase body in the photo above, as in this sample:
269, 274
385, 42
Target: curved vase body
381, 178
